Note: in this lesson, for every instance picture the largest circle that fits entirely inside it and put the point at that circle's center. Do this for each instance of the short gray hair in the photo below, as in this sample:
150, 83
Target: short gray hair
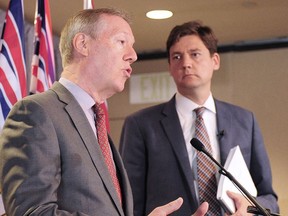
85, 21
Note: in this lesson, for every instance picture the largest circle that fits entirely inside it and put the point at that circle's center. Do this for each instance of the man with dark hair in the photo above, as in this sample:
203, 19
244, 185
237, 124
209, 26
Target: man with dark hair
155, 142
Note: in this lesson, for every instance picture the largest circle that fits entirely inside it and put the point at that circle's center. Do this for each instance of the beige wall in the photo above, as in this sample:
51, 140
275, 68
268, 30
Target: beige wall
256, 80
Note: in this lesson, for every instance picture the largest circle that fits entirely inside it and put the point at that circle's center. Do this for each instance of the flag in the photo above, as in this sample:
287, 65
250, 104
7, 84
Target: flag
43, 66
89, 4
12, 59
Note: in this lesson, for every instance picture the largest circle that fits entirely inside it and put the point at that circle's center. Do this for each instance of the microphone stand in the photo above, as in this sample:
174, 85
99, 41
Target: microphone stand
259, 209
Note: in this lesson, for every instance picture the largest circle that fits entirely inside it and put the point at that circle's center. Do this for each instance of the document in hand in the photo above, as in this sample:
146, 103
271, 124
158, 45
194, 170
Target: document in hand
237, 167
2, 210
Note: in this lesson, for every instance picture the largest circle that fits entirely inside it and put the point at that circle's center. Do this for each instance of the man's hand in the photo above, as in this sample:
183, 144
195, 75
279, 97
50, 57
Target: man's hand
168, 208
174, 206
241, 203
202, 209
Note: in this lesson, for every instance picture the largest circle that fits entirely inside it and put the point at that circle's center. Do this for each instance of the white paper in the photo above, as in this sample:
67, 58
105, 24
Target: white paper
2, 210
237, 167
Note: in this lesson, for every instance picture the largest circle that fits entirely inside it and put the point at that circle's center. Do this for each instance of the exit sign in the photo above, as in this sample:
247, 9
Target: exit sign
151, 88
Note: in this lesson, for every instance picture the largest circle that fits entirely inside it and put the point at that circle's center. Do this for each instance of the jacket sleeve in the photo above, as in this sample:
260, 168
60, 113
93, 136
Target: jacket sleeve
260, 170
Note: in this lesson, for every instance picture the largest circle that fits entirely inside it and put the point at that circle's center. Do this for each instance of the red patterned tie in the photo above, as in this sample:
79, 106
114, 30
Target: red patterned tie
105, 148
205, 168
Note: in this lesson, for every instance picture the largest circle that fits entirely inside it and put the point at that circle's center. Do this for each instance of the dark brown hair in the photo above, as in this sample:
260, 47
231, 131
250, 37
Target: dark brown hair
205, 33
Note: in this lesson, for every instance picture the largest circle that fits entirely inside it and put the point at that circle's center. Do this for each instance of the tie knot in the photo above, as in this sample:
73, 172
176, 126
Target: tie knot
199, 111
98, 109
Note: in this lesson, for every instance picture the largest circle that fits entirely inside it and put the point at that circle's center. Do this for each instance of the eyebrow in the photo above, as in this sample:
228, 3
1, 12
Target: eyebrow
190, 50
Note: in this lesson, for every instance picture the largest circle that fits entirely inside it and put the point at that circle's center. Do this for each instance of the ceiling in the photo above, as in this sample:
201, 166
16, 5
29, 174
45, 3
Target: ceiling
232, 20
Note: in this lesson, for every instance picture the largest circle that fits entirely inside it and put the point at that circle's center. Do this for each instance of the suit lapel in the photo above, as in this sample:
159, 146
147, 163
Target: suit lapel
224, 123
89, 140
173, 130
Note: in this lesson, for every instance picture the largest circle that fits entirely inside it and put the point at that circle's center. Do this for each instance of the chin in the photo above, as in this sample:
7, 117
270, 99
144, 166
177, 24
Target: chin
119, 88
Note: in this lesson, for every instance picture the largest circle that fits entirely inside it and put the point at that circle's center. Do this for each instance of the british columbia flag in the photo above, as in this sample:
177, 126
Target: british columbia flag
43, 64
12, 59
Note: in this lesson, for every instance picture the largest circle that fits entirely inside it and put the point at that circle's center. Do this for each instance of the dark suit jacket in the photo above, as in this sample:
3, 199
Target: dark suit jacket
154, 153
51, 163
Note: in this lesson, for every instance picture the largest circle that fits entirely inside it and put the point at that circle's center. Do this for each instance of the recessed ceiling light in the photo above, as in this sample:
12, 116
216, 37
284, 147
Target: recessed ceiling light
159, 14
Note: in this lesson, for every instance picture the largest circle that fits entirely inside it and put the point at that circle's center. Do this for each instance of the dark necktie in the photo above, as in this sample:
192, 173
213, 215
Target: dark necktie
205, 169
105, 148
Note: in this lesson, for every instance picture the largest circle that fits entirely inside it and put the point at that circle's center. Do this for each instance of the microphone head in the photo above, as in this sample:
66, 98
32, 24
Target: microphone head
197, 144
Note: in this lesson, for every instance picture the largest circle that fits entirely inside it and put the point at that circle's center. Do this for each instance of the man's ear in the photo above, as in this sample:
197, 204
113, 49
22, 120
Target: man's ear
80, 41
216, 60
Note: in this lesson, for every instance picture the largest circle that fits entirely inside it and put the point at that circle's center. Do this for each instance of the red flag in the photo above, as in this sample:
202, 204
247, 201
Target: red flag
43, 66
89, 4
12, 59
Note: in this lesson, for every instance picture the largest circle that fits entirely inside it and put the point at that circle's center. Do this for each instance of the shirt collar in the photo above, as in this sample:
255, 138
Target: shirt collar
185, 105
82, 97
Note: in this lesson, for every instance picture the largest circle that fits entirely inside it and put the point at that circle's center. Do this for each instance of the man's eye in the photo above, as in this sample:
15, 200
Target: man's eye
176, 57
195, 54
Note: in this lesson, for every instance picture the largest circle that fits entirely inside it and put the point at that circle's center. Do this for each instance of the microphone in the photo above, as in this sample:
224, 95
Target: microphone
221, 134
198, 145
258, 209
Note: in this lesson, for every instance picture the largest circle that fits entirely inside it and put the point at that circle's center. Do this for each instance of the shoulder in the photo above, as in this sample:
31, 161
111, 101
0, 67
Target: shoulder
222, 106
156, 111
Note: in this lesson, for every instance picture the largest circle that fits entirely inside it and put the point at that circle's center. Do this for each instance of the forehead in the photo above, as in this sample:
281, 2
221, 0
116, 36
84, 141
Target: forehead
188, 42
114, 24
